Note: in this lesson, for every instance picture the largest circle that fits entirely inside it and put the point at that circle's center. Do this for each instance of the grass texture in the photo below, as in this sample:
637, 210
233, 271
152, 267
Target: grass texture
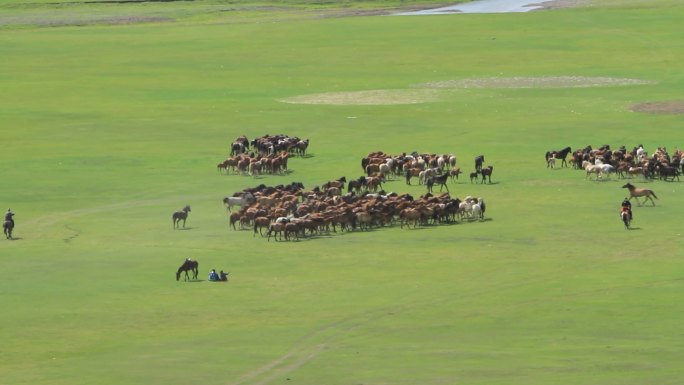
108, 129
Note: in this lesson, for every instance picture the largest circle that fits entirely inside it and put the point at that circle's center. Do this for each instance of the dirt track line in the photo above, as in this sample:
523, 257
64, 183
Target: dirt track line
315, 343
50, 220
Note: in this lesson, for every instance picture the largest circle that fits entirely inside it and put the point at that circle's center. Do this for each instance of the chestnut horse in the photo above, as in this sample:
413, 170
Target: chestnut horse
635, 192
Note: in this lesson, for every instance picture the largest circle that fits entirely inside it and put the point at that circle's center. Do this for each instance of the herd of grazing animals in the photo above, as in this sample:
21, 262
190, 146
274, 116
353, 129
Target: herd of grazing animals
604, 161
289, 212
268, 154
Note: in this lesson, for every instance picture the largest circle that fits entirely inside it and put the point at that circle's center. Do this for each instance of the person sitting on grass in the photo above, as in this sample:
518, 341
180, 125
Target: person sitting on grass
223, 276
213, 276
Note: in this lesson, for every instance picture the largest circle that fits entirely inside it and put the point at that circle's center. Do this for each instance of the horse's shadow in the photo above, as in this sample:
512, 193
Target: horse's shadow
634, 228
186, 228
15, 239
306, 156
284, 173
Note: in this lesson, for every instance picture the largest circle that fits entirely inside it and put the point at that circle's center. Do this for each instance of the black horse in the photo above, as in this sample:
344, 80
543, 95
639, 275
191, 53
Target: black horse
7, 227
479, 160
441, 180
188, 265
181, 215
562, 154
668, 172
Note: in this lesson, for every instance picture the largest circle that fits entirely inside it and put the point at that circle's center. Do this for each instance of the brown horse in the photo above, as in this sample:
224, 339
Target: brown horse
180, 215
487, 173
635, 192
7, 227
260, 223
625, 218
188, 265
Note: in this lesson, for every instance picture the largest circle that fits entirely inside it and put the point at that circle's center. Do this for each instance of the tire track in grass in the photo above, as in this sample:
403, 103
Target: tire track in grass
318, 341
36, 225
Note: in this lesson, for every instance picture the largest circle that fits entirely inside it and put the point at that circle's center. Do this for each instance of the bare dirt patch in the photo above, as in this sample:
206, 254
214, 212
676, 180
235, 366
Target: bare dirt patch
370, 97
672, 107
535, 82
560, 4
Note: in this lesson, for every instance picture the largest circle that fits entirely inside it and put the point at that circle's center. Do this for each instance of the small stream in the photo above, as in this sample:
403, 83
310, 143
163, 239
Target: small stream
481, 6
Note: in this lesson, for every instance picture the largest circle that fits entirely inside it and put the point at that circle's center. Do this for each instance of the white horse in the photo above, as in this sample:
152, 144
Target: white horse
606, 169
238, 201
591, 169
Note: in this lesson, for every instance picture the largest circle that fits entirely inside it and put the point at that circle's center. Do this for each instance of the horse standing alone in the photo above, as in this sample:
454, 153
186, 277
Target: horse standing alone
180, 215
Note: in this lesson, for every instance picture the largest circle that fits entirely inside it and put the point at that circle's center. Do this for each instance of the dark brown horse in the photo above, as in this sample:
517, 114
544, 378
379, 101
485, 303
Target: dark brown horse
636, 192
441, 180
7, 227
625, 218
188, 265
487, 173
479, 160
181, 215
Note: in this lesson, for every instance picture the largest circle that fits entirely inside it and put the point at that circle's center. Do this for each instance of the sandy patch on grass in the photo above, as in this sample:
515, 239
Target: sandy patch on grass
370, 97
535, 82
672, 107
435, 91
560, 4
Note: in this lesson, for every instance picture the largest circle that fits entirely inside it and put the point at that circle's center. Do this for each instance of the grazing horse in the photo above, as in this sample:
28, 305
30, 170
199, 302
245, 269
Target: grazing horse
625, 218
441, 180
7, 227
188, 265
479, 160
487, 173
180, 215
635, 192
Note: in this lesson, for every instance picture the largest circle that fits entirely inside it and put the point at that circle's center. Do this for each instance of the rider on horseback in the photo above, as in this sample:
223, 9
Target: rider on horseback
8, 216
627, 206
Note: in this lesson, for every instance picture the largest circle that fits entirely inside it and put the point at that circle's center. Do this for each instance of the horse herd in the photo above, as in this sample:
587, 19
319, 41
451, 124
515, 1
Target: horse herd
268, 154
430, 169
289, 212
603, 161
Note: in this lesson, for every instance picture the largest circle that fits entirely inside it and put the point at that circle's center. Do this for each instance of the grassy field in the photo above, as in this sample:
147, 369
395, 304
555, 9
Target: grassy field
108, 129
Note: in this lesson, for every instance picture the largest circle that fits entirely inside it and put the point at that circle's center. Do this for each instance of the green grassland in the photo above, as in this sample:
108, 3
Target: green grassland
108, 129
